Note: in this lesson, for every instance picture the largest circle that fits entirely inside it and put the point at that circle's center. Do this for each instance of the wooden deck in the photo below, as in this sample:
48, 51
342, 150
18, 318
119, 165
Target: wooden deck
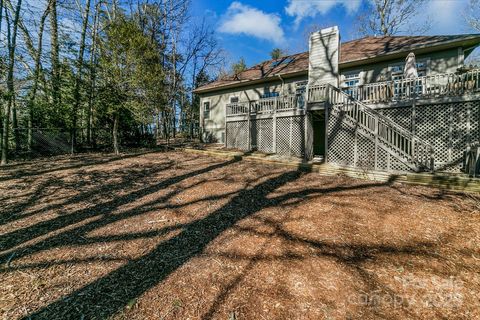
445, 85
440, 86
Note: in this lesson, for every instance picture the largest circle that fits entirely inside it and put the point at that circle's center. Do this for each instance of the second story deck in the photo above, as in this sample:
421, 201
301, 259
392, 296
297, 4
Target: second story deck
441, 87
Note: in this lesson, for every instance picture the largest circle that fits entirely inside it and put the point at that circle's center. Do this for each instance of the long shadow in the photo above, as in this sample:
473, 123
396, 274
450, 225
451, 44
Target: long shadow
104, 297
83, 163
108, 295
20, 236
129, 177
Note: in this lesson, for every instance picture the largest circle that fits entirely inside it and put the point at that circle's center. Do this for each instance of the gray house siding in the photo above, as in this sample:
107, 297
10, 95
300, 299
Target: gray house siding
446, 61
214, 126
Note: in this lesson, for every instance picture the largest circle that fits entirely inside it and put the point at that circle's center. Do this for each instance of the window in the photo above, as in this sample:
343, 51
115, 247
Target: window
234, 99
282, 61
422, 68
206, 109
352, 79
269, 95
397, 71
301, 84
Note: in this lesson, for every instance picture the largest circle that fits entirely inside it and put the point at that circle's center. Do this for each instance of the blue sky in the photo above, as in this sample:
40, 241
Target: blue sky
250, 29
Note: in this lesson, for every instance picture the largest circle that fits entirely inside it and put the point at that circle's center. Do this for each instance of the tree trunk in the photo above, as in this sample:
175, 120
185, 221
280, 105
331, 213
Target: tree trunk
12, 43
78, 78
92, 75
116, 119
1, 15
16, 131
33, 93
55, 59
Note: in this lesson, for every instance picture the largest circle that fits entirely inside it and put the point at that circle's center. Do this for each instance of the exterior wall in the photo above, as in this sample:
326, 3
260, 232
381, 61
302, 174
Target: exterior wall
446, 61
214, 128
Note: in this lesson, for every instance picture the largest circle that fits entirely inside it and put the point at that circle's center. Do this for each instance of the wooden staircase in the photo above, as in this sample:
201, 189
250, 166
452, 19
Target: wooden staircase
392, 138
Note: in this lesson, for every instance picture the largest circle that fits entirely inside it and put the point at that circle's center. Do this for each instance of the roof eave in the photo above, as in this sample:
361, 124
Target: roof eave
471, 41
242, 83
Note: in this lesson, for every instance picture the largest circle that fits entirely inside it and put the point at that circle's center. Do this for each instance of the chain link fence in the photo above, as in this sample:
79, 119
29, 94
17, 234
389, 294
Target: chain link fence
40, 142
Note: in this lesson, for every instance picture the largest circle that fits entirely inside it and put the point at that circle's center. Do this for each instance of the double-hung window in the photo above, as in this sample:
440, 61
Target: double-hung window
396, 72
206, 110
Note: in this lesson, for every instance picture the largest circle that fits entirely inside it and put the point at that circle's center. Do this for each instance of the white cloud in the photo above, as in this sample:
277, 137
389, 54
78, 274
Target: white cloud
301, 9
243, 19
447, 17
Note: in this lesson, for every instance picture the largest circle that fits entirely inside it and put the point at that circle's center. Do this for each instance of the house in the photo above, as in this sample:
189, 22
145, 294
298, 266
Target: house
349, 103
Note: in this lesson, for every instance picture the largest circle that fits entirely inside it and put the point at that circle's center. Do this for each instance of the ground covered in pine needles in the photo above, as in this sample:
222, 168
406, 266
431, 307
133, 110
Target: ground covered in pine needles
168, 235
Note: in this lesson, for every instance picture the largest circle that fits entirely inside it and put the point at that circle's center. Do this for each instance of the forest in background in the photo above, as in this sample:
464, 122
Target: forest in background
81, 74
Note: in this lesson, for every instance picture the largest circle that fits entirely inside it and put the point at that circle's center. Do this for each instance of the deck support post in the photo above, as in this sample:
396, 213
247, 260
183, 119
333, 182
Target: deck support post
249, 126
376, 143
274, 133
325, 156
305, 134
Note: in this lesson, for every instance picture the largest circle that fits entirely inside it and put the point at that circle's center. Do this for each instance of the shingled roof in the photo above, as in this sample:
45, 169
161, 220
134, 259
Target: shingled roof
360, 50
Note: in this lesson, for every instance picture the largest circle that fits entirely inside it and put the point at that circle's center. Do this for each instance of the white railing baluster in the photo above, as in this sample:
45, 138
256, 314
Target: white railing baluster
424, 86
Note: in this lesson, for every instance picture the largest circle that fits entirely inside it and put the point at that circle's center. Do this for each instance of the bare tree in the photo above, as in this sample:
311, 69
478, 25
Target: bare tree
93, 70
78, 78
390, 17
37, 69
12, 28
472, 14
54, 54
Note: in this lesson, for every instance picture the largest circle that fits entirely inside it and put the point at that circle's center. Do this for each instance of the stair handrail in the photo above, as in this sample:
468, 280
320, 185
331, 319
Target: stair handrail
400, 138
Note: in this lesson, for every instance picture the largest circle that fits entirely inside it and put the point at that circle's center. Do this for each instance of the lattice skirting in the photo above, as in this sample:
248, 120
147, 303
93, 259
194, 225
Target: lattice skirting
287, 136
448, 127
237, 135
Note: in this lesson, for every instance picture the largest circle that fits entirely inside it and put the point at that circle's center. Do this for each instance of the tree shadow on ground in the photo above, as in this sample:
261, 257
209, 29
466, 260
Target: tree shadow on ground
106, 296
103, 209
32, 168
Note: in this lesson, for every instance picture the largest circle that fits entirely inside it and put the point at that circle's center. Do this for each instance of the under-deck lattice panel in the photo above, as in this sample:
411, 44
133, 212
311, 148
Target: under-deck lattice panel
288, 140
290, 135
262, 135
341, 140
237, 135
448, 127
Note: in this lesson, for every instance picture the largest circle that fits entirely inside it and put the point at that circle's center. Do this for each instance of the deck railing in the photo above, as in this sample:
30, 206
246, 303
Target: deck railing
273, 104
405, 143
237, 108
445, 84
